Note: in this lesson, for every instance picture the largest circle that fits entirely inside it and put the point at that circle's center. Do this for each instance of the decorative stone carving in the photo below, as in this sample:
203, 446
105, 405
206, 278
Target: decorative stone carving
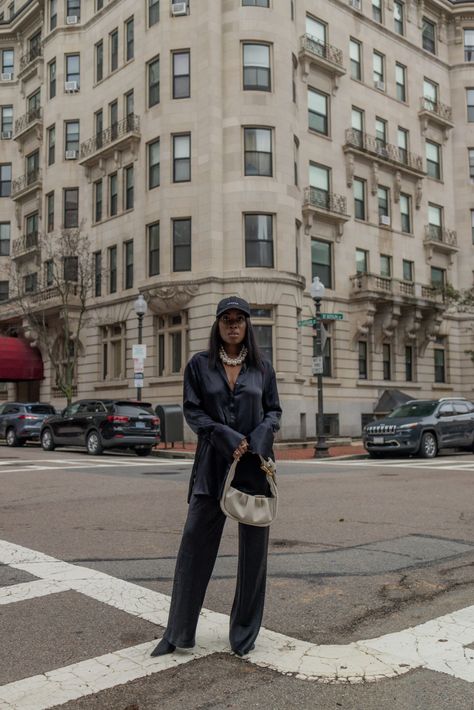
374, 177
432, 324
170, 297
390, 322
418, 193
349, 169
458, 37
442, 27
413, 324
420, 10
397, 186
364, 324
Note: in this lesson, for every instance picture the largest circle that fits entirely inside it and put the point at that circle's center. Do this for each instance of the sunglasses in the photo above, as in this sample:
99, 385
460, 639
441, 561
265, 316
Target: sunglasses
227, 320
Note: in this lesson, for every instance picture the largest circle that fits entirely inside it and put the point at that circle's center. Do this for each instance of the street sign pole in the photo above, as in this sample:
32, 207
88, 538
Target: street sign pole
321, 449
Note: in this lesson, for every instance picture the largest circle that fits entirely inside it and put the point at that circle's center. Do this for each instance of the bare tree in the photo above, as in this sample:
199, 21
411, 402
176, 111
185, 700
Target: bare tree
53, 303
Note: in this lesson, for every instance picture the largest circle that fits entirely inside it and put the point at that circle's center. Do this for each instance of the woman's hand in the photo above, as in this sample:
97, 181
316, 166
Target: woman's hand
241, 449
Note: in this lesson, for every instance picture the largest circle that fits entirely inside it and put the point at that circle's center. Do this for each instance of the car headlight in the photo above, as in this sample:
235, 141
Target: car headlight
408, 426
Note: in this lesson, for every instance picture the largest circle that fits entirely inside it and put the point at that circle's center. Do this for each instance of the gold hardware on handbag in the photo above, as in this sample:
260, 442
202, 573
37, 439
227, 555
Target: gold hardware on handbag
258, 510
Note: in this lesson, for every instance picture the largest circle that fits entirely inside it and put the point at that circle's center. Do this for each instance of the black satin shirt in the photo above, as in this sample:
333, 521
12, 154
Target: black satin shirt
222, 417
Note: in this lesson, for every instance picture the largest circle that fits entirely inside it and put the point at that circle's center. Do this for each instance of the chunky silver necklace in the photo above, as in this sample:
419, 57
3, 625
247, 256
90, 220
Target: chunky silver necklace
233, 360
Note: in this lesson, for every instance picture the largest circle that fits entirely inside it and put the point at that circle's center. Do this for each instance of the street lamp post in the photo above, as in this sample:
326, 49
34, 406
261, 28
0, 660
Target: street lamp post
321, 450
140, 306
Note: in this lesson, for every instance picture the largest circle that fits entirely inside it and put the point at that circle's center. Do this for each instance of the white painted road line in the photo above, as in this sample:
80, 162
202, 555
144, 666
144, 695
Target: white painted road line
438, 645
30, 590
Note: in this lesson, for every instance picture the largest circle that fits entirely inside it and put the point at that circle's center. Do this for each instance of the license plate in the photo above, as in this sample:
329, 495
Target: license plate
140, 425
378, 440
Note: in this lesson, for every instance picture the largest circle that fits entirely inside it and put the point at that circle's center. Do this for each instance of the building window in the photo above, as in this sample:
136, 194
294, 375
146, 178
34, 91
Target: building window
294, 75
409, 363
4, 238
154, 164
472, 226
7, 57
153, 249
32, 229
128, 258
321, 261
433, 160
52, 79
73, 8
182, 244
381, 135
99, 5
99, 129
438, 278
5, 179
378, 61
430, 95
256, 3
129, 40
181, 75
4, 290
405, 213
317, 31
129, 187
362, 261
99, 61
129, 104
98, 200
401, 79
355, 51
113, 43
153, 12
402, 144
34, 101
49, 272
51, 144
262, 322
469, 45
50, 211
70, 268
362, 347
408, 270
439, 363
113, 351
72, 136
113, 119
6, 119
470, 105
71, 207
32, 166
182, 158
357, 125
113, 194
383, 199
471, 164
359, 198
172, 345
153, 82
112, 254
385, 266
73, 68
258, 240
377, 10
387, 361
398, 17
256, 64
98, 273
258, 151
318, 111
296, 150
30, 282
53, 14
429, 36
319, 181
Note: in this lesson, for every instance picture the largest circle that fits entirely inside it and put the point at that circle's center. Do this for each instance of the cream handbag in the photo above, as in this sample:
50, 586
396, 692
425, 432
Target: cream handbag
258, 510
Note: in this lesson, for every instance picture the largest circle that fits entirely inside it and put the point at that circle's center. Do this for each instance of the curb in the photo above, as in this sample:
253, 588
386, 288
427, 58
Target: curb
189, 455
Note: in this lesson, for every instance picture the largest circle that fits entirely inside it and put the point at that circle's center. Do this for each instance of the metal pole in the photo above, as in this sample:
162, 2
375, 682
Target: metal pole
140, 332
321, 450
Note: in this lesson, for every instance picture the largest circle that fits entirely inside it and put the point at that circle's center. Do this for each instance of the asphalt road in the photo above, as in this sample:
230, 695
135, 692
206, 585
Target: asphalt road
361, 550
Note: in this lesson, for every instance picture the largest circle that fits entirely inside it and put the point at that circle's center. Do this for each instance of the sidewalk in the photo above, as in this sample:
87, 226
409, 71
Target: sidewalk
284, 451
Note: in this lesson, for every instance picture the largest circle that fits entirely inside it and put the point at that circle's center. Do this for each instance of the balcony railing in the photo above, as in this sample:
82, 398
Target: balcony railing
25, 244
442, 111
434, 233
26, 182
320, 49
29, 56
325, 200
116, 132
387, 288
28, 119
383, 151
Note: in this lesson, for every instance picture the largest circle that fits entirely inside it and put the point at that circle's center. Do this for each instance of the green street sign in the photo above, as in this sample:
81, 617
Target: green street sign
308, 321
332, 316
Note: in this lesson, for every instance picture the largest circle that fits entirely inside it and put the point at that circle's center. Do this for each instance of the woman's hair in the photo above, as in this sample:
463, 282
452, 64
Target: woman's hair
254, 356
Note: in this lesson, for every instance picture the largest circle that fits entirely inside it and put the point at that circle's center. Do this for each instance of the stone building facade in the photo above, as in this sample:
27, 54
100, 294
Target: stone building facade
245, 146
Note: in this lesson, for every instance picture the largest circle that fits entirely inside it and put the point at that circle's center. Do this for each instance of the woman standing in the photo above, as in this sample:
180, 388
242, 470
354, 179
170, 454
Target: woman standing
231, 403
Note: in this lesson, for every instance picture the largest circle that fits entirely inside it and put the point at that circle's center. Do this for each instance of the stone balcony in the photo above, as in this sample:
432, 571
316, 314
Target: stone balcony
29, 62
30, 121
52, 299
367, 146
436, 114
324, 206
26, 184
322, 56
441, 240
121, 136
373, 287
26, 246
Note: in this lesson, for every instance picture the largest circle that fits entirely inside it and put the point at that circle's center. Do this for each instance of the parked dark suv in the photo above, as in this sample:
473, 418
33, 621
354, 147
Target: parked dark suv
422, 427
21, 421
100, 424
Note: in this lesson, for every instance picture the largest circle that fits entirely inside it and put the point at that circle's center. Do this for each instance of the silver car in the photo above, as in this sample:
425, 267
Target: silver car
21, 421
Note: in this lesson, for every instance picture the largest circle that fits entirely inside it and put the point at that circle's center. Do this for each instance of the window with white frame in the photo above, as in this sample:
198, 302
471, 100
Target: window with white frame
378, 62
398, 16
4, 238
256, 67
405, 213
171, 343
469, 45
430, 95
318, 110
355, 52
401, 81
433, 160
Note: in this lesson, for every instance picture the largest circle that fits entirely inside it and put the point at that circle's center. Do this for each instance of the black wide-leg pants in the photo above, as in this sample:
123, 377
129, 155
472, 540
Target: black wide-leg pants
195, 562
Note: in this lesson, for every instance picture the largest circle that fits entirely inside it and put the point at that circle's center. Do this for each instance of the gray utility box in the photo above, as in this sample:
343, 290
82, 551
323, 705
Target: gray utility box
171, 422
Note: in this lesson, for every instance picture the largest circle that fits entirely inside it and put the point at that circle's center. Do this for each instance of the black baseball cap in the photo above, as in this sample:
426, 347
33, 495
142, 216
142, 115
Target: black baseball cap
232, 302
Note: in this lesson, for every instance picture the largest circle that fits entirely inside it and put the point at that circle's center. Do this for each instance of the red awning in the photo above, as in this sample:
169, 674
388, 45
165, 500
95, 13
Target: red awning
19, 361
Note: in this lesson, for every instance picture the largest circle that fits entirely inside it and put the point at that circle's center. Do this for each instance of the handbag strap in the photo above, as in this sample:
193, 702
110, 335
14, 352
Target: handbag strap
268, 467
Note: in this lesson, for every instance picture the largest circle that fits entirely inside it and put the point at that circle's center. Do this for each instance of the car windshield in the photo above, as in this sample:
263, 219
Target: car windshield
40, 409
131, 410
414, 409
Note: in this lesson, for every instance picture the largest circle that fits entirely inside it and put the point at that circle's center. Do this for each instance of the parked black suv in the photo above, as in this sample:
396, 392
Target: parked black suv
422, 427
21, 421
100, 424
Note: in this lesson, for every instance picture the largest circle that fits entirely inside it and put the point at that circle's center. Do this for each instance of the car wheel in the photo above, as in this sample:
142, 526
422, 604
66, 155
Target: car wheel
93, 443
12, 439
143, 452
428, 446
47, 441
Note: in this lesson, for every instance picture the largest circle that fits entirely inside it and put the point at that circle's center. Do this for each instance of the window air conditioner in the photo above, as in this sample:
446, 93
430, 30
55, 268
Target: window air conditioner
355, 4
71, 86
379, 85
179, 8
6, 76
385, 220
71, 154
72, 20
6, 135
